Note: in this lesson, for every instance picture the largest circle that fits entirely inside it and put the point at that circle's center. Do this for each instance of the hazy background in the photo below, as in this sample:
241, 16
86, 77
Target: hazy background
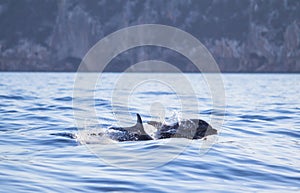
243, 36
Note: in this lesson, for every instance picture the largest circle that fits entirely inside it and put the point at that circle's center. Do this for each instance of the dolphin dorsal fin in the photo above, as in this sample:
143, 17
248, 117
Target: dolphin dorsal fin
138, 119
141, 130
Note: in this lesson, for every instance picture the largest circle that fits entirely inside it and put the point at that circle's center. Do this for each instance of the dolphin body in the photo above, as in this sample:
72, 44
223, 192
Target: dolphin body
133, 133
190, 129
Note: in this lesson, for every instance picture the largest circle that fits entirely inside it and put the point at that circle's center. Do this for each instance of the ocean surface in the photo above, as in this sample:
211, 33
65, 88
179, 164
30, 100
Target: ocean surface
46, 146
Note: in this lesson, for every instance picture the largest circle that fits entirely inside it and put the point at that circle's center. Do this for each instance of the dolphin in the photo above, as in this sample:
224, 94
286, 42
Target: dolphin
191, 129
133, 133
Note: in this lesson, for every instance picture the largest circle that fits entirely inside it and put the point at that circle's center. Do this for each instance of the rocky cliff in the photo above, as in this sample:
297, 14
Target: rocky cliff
243, 36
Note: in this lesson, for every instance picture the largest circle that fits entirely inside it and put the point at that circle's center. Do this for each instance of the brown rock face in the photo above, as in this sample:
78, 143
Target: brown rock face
243, 36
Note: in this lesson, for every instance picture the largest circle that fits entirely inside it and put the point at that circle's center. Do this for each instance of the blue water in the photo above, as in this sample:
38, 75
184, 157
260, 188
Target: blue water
42, 150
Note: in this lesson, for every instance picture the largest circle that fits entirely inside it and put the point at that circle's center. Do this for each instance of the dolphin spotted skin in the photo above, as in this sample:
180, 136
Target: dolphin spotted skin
134, 133
191, 129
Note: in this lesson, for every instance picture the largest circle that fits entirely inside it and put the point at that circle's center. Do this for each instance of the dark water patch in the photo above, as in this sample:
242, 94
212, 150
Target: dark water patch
247, 131
10, 126
38, 109
288, 132
207, 112
58, 141
282, 168
255, 175
67, 135
156, 93
65, 89
52, 106
263, 118
276, 104
213, 112
108, 188
5, 104
102, 103
64, 98
104, 125
282, 117
4, 128
56, 107
54, 127
39, 117
257, 117
283, 111
17, 97
64, 108
71, 129
151, 146
247, 173
201, 99
106, 120
11, 111
250, 120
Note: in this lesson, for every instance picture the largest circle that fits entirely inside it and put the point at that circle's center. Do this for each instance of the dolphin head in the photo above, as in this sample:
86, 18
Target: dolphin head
204, 129
211, 131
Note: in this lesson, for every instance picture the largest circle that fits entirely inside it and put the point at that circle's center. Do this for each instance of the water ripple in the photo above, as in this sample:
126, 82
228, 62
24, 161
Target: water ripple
257, 147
